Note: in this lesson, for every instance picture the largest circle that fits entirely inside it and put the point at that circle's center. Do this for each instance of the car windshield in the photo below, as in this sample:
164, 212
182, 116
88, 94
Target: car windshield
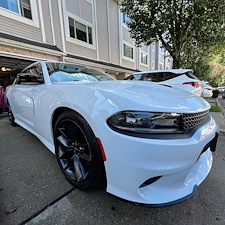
65, 72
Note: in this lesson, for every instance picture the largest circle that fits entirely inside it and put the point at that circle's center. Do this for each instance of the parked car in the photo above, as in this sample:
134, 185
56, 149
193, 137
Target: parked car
180, 78
223, 94
152, 144
221, 89
207, 89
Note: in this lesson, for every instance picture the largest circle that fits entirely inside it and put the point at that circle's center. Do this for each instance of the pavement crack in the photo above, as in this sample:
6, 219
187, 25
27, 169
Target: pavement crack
50, 204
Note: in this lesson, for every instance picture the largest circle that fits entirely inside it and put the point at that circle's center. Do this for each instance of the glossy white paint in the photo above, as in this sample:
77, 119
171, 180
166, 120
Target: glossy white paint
207, 90
176, 71
130, 160
179, 80
138, 159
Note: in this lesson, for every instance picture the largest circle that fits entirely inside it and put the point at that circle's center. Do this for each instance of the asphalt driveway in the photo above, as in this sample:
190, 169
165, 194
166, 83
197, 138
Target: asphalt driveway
34, 191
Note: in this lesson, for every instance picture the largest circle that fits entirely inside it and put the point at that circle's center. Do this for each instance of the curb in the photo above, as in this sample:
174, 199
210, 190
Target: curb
223, 112
218, 104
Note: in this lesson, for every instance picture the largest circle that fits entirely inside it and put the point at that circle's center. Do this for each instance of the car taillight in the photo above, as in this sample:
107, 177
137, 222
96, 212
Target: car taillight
210, 89
193, 84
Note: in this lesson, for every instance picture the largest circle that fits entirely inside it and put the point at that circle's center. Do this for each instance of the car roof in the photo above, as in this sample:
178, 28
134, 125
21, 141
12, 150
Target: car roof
176, 71
52, 61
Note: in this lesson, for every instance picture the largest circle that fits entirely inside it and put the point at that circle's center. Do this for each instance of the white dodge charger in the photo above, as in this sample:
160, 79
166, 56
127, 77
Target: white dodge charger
152, 144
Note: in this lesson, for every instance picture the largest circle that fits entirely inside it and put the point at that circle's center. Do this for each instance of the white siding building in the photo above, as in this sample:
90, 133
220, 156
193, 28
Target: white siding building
90, 32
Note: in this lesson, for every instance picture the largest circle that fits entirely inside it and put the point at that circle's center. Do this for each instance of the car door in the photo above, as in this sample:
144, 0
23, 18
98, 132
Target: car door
24, 97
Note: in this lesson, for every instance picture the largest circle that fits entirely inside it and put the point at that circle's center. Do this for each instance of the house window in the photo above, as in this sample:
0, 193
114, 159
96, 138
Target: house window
144, 58
22, 7
25, 8
71, 27
90, 35
128, 51
80, 31
126, 19
11, 5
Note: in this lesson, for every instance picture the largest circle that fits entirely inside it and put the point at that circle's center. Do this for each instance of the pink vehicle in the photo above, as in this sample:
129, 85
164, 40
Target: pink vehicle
3, 102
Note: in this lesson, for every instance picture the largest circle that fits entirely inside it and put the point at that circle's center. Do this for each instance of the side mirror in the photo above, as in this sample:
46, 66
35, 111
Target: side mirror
29, 79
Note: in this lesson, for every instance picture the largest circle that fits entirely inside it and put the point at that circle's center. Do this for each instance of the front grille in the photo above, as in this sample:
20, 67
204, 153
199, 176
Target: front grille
191, 120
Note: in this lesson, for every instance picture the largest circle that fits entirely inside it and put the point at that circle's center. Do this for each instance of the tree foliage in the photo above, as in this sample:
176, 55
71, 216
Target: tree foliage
186, 28
217, 77
211, 67
217, 61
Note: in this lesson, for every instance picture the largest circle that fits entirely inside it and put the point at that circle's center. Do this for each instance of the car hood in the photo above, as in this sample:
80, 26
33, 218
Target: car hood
142, 88
141, 95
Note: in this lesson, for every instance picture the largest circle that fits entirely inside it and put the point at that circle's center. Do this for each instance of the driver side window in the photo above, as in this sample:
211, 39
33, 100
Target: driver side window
36, 69
31, 76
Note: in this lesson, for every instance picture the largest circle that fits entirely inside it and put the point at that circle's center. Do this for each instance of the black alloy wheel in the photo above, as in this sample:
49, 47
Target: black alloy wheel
77, 151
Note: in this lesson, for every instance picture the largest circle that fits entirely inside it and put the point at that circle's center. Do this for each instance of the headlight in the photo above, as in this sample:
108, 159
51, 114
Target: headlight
146, 122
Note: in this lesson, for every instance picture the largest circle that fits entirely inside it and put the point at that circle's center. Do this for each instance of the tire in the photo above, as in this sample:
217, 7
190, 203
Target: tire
11, 117
78, 152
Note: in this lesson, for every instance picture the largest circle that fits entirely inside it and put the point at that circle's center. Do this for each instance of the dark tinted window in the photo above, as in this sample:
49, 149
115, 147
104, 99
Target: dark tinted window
168, 76
134, 77
153, 77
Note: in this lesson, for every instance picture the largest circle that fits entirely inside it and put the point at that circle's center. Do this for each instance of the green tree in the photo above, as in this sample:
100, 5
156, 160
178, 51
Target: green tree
217, 61
211, 67
203, 70
186, 28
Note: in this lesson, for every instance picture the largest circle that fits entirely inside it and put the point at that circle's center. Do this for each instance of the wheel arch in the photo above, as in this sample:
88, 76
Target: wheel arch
57, 112
55, 115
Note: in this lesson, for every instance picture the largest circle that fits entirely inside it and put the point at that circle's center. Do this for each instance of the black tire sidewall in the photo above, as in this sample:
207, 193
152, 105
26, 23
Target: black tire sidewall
97, 172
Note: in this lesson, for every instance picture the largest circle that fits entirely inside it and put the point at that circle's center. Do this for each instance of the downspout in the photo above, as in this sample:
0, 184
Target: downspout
61, 28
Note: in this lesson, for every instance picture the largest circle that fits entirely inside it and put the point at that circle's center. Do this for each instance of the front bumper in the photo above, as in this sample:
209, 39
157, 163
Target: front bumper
182, 164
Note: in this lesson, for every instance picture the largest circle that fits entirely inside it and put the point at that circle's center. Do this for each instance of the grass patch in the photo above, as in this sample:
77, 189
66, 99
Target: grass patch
215, 109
